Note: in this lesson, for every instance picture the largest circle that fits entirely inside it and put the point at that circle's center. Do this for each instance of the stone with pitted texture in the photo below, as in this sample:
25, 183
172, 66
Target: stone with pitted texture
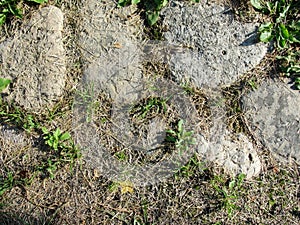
34, 59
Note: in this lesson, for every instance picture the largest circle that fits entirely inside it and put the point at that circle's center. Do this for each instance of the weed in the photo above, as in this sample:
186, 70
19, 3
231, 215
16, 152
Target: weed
55, 139
6, 183
13, 7
290, 65
182, 138
51, 168
188, 88
252, 83
284, 30
190, 169
4, 83
152, 104
16, 116
88, 99
64, 149
12, 180
121, 156
151, 7
229, 192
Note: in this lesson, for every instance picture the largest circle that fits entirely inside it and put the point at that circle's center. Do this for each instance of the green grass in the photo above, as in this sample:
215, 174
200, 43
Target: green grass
228, 191
182, 138
148, 106
151, 7
10, 8
282, 28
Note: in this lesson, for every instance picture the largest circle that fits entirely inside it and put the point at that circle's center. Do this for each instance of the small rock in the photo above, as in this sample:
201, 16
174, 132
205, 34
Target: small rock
235, 154
273, 110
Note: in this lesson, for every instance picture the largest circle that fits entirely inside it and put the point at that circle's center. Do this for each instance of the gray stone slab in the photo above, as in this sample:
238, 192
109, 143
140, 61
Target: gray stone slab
108, 41
34, 59
235, 153
216, 49
274, 112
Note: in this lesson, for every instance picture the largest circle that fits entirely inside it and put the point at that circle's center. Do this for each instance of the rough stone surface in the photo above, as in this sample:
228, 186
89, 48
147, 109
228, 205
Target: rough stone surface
11, 137
12, 140
109, 47
274, 112
216, 49
34, 59
235, 154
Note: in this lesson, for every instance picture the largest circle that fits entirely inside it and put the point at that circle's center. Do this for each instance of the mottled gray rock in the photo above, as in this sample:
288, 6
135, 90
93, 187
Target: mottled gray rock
109, 47
235, 153
12, 137
216, 49
274, 112
34, 59
12, 140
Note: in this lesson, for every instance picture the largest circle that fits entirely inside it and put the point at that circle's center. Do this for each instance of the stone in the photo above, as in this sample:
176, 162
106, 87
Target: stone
109, 47
273, 111
235, 153
34, 59
215, 49
12, 141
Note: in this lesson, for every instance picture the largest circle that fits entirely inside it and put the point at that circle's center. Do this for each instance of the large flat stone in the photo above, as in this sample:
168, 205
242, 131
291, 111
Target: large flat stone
108, 41
215, 48
274, 112
34, 59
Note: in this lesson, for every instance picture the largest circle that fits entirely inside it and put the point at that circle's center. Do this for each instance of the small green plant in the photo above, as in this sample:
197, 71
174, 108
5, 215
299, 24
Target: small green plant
51, 168
284, 30
87, 99
290, 65
13, 7
121, 156
182, 138
56, 139
152, 104
11, 180
64, 149
4, 83
192, 167
229, 192
16, 116
9, 7
252, 83
6, 183
151, 7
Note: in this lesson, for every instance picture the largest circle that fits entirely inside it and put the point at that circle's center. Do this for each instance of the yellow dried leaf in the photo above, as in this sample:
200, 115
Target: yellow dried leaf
126, 187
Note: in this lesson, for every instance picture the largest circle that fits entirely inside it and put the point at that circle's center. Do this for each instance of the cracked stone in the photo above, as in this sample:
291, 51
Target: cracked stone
34, 59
